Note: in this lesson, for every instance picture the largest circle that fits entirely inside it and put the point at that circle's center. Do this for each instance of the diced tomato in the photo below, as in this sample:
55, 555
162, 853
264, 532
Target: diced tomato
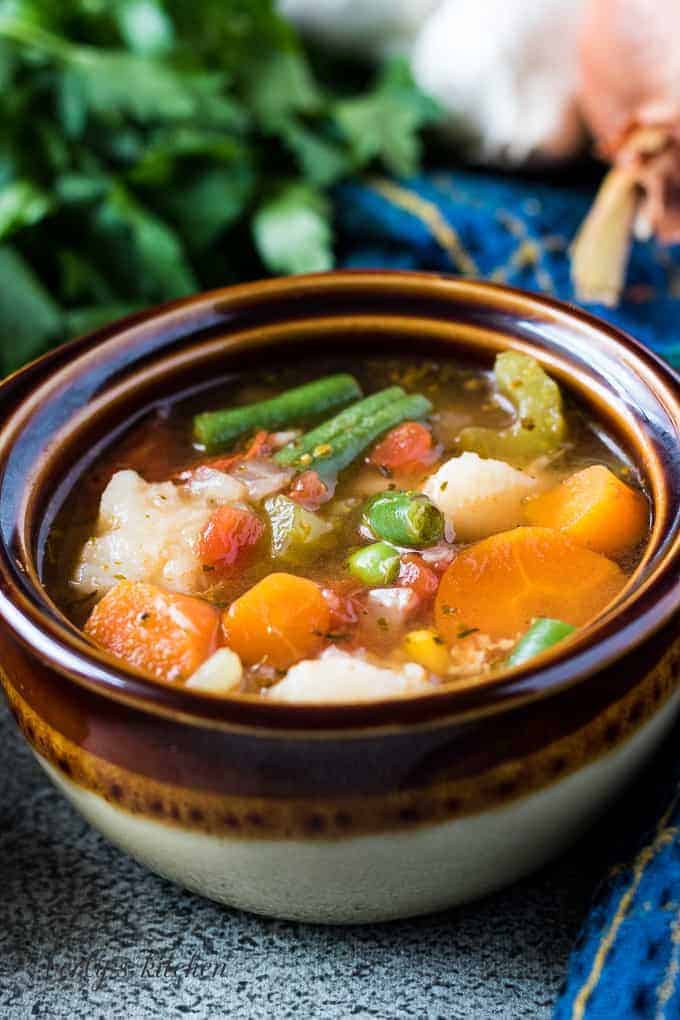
408, 446
415, 574
260, 446
344, 604
309, 491
439, 558
228, 538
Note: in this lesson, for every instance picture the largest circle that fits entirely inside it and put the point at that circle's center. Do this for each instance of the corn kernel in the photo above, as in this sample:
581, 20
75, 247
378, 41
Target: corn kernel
427, 648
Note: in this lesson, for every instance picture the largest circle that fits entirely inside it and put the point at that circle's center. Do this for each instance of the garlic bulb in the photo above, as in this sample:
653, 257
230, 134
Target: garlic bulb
630, 96
373, 28
506, 72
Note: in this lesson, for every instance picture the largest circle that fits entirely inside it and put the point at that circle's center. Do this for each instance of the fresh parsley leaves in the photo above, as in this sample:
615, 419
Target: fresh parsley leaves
152, 147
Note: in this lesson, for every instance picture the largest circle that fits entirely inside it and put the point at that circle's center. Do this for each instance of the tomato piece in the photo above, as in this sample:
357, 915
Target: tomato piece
415, 574
407, 446
344, 604
439, 558
309, 491
260, 446
229, 537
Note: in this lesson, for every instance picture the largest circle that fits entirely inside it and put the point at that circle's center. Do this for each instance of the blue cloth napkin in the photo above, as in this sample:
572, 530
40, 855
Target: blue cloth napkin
626, 961
510, 231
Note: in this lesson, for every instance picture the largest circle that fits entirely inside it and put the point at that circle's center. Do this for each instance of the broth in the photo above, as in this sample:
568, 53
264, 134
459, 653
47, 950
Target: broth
161, 448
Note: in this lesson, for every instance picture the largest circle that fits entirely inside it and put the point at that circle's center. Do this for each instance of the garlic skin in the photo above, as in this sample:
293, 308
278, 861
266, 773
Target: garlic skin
506, 71
629, 68
371, 28
630, 97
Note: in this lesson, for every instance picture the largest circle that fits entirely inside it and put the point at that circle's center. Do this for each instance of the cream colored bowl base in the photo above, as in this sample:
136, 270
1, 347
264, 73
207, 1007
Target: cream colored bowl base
382, 877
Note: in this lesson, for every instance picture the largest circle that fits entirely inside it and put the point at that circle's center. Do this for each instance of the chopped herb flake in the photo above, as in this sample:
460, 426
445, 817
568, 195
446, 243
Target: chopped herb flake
466, 631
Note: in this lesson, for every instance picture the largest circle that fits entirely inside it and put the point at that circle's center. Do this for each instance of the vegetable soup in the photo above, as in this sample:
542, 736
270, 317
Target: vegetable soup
351, 530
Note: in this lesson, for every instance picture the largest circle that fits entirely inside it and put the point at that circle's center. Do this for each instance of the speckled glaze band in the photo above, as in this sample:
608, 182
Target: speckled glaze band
337, 796
250, 769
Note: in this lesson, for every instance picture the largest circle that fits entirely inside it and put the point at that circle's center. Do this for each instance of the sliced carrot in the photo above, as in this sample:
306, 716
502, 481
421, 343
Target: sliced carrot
594, 508
281, 619
406, 447
160, 632
229, 538
501, 584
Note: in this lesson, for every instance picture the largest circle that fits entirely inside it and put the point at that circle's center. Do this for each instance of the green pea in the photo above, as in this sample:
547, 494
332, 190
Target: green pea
375, 564
404, 518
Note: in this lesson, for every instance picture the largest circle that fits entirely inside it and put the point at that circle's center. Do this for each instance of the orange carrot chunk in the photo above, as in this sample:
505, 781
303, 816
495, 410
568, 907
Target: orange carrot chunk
280, 620
157, 631
595, 509
500, 585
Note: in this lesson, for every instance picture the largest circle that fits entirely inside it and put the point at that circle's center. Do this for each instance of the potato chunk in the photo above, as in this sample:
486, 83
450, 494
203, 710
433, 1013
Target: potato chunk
149, 532
220, 674
479, 497
338, 676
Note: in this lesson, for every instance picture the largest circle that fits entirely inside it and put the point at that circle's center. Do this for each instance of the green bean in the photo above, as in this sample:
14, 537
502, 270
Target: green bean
376, 564
542, 634
217, 429
329, 459
404, 518
348, 419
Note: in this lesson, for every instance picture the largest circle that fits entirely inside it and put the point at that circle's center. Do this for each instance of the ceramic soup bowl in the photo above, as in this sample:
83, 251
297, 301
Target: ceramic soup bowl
354, 812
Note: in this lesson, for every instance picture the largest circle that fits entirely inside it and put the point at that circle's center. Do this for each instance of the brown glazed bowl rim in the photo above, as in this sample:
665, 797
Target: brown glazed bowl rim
646, 397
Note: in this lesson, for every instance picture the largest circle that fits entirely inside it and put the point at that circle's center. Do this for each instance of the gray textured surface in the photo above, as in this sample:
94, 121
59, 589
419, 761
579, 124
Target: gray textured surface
85, 932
